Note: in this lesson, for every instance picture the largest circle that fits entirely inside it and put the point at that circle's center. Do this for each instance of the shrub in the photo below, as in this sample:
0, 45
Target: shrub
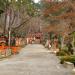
63, 52
68, 58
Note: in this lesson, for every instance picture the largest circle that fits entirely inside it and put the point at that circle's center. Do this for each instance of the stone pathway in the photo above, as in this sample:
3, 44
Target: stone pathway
33, 60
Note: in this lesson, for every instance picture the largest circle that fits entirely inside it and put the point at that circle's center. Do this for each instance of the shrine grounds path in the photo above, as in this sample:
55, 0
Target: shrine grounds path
33, 59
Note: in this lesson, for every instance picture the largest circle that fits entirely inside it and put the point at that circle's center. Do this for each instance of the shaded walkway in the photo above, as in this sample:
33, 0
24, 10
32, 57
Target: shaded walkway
33, 60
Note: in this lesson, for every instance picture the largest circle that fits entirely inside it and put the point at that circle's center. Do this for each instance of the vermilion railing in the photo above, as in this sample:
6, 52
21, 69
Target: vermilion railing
14, 50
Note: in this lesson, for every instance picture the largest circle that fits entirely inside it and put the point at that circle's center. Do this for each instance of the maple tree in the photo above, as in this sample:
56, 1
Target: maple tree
61, 11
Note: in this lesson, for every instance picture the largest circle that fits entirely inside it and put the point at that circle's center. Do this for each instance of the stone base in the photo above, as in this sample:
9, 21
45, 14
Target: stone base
68, 65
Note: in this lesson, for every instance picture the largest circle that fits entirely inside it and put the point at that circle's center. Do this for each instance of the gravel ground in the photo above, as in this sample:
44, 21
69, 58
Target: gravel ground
33, 60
